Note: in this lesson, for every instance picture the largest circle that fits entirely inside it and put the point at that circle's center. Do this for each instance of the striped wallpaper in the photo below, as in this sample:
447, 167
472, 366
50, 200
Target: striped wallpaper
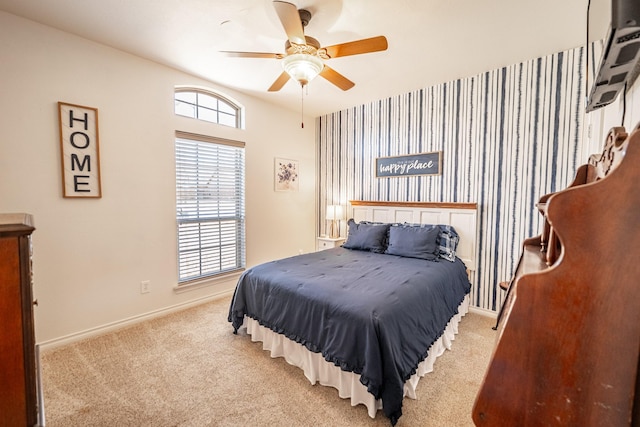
508, 136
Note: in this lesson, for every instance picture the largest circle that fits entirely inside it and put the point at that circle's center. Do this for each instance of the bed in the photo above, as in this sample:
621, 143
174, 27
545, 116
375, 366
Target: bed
370, 317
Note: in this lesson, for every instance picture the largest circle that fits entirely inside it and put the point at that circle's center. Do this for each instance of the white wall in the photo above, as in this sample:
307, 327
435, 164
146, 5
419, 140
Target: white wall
612, 115
91, 254
624, 111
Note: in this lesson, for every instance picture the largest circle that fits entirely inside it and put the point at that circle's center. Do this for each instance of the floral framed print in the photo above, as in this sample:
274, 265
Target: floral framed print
286, 175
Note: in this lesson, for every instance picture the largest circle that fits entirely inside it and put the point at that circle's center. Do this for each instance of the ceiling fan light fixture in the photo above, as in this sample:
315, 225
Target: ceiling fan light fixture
302, 67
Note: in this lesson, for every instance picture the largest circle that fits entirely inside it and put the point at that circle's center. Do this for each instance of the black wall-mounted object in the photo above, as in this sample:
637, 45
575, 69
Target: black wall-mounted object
620, 61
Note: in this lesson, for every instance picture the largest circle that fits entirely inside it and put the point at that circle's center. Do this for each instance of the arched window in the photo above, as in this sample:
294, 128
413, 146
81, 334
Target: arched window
208, 106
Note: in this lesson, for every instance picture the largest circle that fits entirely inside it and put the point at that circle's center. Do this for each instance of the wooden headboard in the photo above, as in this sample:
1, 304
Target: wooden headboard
462, 216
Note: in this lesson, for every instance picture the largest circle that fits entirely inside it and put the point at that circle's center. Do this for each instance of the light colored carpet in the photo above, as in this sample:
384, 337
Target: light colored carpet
188, 369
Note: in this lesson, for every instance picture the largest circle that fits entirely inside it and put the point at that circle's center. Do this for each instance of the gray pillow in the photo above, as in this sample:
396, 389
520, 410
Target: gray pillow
366, 236
414, 242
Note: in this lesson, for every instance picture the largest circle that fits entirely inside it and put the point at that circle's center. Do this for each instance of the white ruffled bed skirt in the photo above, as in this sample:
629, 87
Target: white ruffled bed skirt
316, 369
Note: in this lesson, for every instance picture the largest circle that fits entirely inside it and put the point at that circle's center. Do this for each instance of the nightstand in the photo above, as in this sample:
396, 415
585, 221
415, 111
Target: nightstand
324, 242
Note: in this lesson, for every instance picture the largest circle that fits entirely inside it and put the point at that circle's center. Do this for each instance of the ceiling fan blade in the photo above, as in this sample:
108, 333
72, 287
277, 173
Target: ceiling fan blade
336, 78
290, 19
280, 81
373, 44
252, 54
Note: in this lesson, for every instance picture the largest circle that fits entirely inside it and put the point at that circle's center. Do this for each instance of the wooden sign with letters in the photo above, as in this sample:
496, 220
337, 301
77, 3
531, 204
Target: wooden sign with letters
79, 151
410, 165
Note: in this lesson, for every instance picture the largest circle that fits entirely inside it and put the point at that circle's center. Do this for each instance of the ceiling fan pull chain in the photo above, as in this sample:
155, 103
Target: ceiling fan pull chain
302, 105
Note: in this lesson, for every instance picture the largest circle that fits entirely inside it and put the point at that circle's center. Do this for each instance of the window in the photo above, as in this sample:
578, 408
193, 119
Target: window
207, 106
209, 206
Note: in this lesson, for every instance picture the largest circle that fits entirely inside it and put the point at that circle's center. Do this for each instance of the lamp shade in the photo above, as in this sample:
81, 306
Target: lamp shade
302, 67
335, 212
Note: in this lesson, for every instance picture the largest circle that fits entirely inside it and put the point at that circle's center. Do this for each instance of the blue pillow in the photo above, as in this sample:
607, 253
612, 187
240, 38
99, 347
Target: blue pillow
414, 242
367, 236
448, 239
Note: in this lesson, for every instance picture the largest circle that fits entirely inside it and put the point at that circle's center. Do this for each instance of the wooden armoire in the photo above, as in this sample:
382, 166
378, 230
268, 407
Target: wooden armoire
568, 344
18, 371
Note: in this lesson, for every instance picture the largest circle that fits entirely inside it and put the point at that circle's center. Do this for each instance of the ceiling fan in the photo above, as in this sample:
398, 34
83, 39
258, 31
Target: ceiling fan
304, 57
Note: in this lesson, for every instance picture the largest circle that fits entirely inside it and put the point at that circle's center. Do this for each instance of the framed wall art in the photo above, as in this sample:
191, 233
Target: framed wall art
79, 151
287, 175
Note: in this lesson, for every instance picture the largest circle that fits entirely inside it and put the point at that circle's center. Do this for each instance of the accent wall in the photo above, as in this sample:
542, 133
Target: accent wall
507, 136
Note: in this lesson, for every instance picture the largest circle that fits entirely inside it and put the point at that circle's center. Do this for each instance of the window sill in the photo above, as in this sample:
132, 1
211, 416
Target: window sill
206, 282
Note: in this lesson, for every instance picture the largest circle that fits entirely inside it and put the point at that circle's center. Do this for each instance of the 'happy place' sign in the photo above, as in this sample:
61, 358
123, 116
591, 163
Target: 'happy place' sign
415, 164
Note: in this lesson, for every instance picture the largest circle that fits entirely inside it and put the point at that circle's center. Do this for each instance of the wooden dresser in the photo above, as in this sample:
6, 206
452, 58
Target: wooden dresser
568, 345
18, 376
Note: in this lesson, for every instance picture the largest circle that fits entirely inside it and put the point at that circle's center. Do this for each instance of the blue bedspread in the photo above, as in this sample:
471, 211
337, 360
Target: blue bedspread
372, 314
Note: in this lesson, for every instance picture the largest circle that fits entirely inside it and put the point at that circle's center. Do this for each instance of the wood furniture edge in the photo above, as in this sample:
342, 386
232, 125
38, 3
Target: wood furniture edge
511, 392
15, 224
15, 235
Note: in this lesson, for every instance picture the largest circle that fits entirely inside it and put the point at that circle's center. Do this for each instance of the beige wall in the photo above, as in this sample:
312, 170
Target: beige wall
91, 254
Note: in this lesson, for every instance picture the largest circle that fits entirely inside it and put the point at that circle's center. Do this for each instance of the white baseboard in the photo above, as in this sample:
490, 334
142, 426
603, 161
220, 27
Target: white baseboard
483, 312
113, 326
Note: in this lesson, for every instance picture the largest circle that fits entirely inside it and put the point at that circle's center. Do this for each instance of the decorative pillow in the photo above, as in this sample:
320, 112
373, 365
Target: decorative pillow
385, 242
366, 236
448, 242
414, 242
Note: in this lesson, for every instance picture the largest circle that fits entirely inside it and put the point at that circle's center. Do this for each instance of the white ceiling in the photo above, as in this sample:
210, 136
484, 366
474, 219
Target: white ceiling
430, 41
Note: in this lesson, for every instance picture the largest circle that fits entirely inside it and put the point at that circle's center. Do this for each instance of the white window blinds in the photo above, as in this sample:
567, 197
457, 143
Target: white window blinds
209, 206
